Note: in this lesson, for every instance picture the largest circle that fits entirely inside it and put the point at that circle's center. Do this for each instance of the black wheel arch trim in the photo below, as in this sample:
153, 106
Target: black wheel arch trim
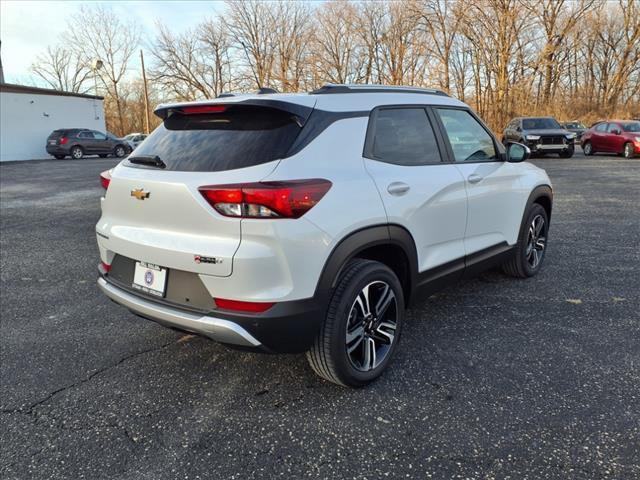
541, 191
360, 240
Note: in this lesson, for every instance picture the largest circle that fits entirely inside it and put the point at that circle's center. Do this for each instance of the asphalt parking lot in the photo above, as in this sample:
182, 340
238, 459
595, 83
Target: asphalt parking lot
496, 378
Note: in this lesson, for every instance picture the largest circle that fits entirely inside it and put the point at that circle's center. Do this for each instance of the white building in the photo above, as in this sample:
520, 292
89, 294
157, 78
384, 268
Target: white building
28, 115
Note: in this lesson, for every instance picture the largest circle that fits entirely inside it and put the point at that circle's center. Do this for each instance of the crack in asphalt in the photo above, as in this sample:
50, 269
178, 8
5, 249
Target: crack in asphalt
29, 410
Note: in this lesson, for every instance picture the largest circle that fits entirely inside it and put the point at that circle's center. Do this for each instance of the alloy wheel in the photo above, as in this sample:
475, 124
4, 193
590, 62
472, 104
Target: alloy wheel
371, 326
587, 149
536, 241
119, 152
628, 150
76, 153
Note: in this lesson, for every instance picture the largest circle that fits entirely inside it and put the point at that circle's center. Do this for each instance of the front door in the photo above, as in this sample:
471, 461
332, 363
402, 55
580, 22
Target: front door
87, 141
615, 140
599, 138
496, 198
103, 144
419, 191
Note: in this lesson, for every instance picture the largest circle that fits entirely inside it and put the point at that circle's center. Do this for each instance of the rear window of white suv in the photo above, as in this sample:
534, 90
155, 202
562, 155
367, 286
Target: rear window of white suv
237, 137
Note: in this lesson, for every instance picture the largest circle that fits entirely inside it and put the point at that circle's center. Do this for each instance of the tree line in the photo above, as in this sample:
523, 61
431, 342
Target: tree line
567, 58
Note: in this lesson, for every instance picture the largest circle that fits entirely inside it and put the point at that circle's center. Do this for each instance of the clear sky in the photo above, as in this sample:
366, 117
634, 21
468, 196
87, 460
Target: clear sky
28, 27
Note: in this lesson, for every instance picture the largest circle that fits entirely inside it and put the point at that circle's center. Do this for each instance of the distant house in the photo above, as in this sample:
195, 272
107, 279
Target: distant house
29, 114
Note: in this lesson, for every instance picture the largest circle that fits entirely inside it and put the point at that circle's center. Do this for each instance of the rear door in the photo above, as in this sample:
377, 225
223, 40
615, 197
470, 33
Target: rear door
496, 196
419, 191
102, 142
158, 216
86, 141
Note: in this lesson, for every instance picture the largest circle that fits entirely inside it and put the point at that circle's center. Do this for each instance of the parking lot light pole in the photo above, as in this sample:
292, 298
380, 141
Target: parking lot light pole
146, 96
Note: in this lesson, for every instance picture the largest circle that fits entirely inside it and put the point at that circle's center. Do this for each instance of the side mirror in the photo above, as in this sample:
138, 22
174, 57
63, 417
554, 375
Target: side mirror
518, 128
517, 152
616, 131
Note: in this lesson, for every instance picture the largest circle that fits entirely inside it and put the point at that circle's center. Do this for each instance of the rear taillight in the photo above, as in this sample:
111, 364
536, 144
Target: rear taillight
253, 307
63, 140
288, 199
105, 179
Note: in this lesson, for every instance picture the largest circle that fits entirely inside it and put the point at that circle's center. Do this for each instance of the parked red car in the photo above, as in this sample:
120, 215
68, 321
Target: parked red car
619, 136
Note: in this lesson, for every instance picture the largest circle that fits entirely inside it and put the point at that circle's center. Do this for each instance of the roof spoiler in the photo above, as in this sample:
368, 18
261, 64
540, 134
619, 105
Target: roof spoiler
302, 112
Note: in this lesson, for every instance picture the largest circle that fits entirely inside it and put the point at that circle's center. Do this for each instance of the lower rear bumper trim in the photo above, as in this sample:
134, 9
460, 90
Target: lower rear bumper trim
218, 329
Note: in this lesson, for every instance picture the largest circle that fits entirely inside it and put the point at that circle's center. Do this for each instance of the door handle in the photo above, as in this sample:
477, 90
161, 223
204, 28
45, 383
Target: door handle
474, 178
398, 188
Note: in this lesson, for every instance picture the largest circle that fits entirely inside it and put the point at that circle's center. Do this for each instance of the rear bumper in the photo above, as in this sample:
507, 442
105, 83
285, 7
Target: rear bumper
57, 150
215, 328
288, 327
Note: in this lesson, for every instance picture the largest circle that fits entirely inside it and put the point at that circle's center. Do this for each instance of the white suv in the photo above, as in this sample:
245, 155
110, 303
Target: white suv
308, 222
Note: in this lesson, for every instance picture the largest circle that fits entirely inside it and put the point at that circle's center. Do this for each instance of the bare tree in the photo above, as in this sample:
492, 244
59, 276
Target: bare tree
440, 20
556, 19
337, 48
250, 24
97, 32
291, 36
193, 64
63, 69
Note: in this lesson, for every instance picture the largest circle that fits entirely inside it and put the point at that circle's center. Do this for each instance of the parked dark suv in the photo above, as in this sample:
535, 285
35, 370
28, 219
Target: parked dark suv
77, 142
541, 134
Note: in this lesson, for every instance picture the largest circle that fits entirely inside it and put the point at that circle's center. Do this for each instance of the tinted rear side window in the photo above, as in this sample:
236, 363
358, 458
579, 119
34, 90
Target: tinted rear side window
403, 136
62, 133
241, 136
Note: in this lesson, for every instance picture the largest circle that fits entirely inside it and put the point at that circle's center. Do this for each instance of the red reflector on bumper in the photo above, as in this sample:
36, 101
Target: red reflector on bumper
105, 267
253, 307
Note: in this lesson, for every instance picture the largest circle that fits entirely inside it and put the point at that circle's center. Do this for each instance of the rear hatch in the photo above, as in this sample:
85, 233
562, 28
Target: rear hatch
56, 135
153, 211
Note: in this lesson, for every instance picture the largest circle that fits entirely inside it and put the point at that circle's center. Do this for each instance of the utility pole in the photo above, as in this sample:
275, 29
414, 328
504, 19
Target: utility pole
146, 95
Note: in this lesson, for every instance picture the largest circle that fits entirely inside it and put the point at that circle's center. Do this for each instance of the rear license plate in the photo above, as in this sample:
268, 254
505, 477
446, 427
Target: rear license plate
52, 142
150, 278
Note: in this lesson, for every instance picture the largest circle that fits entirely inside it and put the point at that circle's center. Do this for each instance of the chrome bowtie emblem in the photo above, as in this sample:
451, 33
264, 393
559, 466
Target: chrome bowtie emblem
140, 194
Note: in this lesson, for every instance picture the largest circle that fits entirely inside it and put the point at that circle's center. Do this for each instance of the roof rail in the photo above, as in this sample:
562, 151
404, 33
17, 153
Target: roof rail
330, 88
226, 94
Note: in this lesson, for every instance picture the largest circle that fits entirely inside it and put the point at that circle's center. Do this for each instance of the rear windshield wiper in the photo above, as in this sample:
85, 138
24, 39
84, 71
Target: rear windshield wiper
151, 160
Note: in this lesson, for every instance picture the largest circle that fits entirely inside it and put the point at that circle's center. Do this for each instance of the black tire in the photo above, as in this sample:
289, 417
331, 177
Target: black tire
568, 153
119, 151
59, 157
628, 150
588, 149
76, 152
103, 155
519, 264
328, 356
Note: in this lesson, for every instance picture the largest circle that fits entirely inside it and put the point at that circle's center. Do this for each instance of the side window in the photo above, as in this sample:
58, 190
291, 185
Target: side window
99, 136
404, 136
613, 126
85, 135
602, 127
469, 141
